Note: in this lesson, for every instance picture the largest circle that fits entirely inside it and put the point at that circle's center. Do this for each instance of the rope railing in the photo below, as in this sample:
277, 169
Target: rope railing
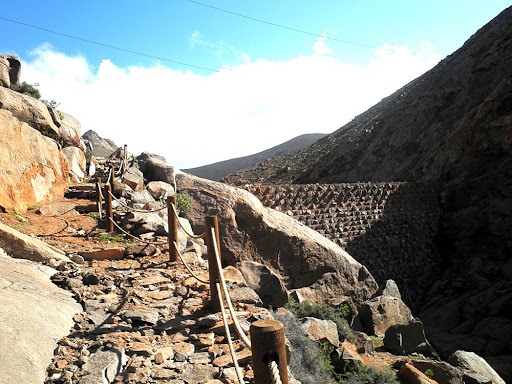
228, 335
202, 235
187, 266
135, 209
223, 285
269, 371
135, 237
274, 372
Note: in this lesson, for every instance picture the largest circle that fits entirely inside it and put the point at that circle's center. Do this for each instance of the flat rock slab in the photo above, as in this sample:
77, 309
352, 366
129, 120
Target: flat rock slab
34, 315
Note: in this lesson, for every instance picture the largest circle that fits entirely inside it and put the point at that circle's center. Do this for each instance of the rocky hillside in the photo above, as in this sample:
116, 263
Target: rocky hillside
430, 129
100, 147
218, 170
452, 125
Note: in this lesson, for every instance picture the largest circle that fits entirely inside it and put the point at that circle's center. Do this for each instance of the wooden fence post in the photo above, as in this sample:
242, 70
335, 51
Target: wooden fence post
173, 228
99, 200
268, 344
213, 270
109, 217
112, 175
125, 157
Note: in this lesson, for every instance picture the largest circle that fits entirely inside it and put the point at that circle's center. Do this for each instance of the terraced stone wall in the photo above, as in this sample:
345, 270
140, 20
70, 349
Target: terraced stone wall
388, 227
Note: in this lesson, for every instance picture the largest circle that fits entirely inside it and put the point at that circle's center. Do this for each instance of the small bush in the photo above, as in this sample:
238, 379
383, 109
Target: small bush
364, 374
183, 202
113, 238
310, 364
30, 90
324, 312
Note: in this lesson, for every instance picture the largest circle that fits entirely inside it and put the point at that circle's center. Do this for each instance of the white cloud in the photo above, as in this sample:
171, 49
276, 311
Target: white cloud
320, 46
195, 119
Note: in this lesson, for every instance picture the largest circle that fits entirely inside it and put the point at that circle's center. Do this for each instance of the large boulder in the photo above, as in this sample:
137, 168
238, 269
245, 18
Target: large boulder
265, 282
29, 110
470, 363
405, 339
69, 130
133, 178
21, 246
160, 189
34, 315
155, 168
321, 330
77, 164
32, 168
387, 309
250, 231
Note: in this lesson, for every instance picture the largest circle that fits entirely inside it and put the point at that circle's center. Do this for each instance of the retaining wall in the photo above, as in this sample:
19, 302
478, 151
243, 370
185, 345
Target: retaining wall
388, 227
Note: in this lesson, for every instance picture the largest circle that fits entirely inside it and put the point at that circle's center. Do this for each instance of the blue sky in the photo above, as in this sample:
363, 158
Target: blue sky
271, 83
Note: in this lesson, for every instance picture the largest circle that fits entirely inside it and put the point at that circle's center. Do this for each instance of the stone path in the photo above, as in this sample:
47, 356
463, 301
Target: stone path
147, 321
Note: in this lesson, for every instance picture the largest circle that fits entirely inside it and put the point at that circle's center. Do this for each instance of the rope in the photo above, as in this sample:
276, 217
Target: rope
109, 176
228, 335
102, 216
274, 372
182, 227
137, 238
134, 209
187, 266
238, 327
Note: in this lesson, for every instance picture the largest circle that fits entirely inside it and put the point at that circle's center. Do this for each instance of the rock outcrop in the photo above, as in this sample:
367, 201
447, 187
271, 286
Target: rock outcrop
10, 68
31, 111
32, 168
34, 315
250, 231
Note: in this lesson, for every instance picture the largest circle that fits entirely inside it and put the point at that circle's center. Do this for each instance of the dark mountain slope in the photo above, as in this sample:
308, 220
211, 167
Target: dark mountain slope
405, 136
220, 169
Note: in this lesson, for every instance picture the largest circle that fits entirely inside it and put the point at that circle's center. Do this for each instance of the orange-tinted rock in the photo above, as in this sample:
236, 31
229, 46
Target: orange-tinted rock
32, 168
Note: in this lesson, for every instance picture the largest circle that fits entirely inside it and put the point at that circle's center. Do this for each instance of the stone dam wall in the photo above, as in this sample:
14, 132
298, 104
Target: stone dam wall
389, 227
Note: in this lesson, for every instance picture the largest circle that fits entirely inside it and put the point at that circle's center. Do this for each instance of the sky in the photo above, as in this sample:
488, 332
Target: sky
204, 81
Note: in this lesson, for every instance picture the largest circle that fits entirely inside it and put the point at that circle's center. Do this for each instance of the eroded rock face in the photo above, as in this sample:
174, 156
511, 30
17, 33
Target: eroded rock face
29, 110
10, 69
250, 231
4, 73
32, 169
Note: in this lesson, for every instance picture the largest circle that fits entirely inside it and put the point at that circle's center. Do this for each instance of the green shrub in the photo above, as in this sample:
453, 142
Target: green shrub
183, 202
325, 312
30, 90
113, 238
364, 374
429, 373
310, 363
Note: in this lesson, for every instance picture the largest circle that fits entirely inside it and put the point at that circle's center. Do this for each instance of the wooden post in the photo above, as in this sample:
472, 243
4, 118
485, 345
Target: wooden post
125, 157
213, 270
112, 175
109, 224
173, 228
99, 200
268, 344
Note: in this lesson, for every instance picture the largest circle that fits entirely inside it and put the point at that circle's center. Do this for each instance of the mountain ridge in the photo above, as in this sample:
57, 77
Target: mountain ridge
216, 171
